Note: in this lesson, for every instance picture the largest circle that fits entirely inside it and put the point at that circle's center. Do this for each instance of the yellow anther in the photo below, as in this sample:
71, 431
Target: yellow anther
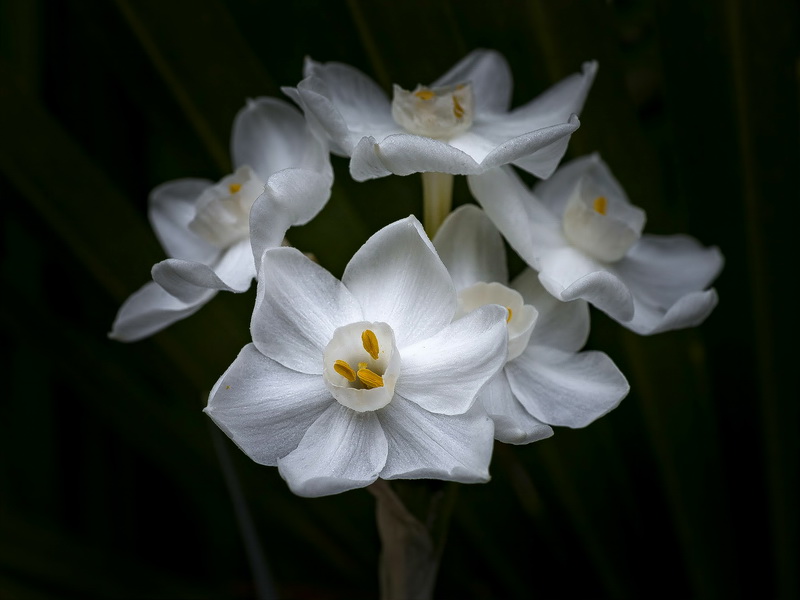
345, 370
370, 342
370, 379
425, 94
235, 187
510, 314
600, 204
458, 110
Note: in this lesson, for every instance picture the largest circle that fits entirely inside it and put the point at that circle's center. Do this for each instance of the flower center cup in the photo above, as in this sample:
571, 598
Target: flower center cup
361, 365
438, 113
521, 317
600, 224
222, 214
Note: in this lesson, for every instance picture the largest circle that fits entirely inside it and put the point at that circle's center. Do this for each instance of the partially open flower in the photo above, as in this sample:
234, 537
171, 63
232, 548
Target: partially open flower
579, 230
211, 231
347, 381
460, 124
546, 380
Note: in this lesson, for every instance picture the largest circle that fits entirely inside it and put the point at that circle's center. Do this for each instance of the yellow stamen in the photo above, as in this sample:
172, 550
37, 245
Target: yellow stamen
370, 341
425, 94
510, 314
600, 204
235, 187
370, 379
345, 370
362, 365
458, 110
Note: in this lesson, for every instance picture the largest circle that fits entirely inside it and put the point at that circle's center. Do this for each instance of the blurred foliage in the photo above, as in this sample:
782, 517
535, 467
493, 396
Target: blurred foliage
110, 484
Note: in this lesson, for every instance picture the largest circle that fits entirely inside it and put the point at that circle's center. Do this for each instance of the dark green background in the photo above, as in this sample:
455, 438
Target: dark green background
110, 484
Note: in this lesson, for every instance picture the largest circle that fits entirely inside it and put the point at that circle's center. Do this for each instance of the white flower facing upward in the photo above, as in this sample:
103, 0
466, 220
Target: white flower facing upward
212, 231
546, 380
347, 381
580, 231
460, 125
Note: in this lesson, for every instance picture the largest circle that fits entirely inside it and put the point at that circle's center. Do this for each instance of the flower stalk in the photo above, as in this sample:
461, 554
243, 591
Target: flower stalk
413, 518
437, 198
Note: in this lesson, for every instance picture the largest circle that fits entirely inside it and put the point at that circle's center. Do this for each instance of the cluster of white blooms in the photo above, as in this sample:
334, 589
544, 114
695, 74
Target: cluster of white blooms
424, 353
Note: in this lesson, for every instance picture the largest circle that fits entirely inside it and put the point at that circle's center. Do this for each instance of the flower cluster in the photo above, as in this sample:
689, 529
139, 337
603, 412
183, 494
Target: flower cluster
425, 351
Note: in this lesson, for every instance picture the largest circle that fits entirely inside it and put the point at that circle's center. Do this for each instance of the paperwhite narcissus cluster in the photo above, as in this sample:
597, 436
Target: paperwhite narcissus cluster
424, 353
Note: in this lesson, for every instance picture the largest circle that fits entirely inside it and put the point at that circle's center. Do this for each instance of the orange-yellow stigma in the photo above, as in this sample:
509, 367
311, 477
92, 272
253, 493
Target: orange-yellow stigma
600, 204
235, 187
424, 94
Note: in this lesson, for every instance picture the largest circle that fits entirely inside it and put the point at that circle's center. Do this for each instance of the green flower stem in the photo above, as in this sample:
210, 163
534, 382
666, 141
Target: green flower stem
413, 517
437, 194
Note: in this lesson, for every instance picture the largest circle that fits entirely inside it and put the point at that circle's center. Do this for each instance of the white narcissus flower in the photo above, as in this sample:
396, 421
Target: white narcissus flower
546, 380
459, 125
212, 231
347, 381
580, 231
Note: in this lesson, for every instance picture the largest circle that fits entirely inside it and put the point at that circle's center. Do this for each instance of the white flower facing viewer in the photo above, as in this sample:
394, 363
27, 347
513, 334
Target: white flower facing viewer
580, 231
347, 381
283, 177
546, 380
460, 124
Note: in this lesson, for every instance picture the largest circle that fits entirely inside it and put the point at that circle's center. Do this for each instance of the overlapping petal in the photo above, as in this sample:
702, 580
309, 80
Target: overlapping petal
264, 407
425, 445
471, 248
394, 275
512, 423
270, 135
150, 309
171, 209
490, 76
342, 450
567, 389
444, 372
298, 307
562, 325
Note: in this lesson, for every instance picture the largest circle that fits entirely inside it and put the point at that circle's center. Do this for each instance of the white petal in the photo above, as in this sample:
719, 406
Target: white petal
555, 191
490, 76
554, 106
561, 388
347, 103
667, 276
341, 451
291, 197
424, 445
515, 212
562, 325
233, 271
298, 307
403, 154
171, 209
538, 151
151, 309
444, 373
471, 248
270, 135
569, 274
512, 423
689, 311
399, 279
264, 407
